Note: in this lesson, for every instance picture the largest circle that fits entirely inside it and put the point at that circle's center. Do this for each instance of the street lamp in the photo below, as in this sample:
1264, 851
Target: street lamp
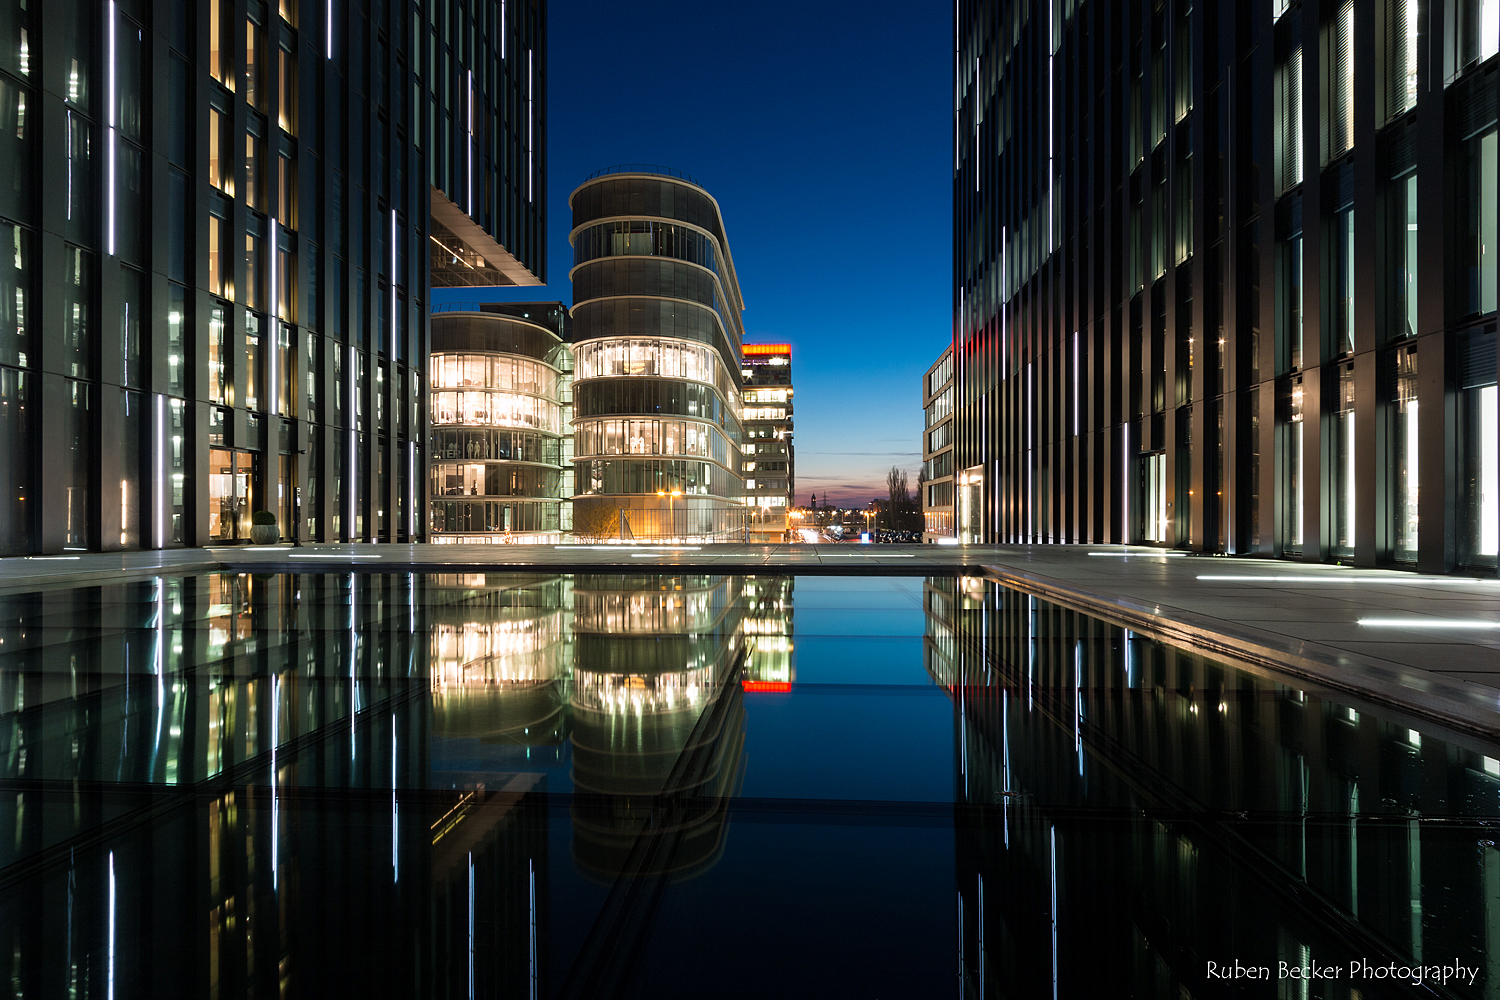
669, 496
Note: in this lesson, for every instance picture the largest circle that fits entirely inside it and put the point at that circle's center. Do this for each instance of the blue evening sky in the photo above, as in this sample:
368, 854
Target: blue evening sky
823, 128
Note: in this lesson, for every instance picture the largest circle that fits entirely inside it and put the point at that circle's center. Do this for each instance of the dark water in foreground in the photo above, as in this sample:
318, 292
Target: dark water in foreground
664, 786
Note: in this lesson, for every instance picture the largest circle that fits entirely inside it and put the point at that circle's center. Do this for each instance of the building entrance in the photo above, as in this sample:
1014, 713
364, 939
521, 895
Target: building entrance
1153, 497
971, 506
230, 494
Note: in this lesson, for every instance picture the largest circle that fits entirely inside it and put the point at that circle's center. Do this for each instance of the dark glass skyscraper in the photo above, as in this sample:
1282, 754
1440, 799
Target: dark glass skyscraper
222, 220
1225, 277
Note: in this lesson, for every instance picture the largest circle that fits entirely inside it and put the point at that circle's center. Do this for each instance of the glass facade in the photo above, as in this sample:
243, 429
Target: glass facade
210, 265
937, 481
769, 459
1228, 319
501, 378
658, 335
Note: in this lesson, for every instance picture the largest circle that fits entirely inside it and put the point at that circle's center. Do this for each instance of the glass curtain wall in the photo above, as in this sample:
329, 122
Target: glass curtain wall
1479, 221
1401, 206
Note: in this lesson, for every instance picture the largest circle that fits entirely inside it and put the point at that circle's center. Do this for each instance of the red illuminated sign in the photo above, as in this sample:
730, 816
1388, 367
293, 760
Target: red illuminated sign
772, 687
768, 349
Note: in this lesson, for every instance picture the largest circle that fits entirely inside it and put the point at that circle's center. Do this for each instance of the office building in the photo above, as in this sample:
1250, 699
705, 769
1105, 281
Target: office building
501, 384
657, 339
937, 450
222, 222
769, 457
1226, 277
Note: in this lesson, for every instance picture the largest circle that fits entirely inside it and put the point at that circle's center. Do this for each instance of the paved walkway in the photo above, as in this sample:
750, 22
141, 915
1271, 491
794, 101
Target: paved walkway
1428, 644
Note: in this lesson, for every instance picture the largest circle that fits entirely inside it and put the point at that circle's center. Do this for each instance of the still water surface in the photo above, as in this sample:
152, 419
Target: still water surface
664, 786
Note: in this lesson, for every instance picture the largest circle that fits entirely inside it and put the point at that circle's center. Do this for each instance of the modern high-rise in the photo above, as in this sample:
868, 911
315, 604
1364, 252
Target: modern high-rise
657, 336
501, 382
769, 457
937, 450
222, 222
1226, 277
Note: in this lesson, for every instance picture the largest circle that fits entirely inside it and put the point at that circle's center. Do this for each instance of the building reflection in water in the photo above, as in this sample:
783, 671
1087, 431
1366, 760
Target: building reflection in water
658, 721
502, 653
770, 663
213, 784
1131, 812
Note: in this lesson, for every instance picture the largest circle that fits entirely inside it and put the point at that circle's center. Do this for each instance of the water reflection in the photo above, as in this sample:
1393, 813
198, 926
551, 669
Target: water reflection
658, 724
466, 784
272, 749
1134, 812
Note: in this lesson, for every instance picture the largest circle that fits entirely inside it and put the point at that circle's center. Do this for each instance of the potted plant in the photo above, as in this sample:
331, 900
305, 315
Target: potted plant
263, 528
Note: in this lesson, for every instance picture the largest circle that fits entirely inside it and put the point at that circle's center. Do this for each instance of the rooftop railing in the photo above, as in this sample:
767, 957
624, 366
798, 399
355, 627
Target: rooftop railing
643, 168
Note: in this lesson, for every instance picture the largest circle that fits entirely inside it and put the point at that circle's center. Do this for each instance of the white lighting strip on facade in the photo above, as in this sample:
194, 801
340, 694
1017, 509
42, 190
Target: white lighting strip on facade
411, 494
272, 385
502, 29
471, 144
161, 471
329, 33
109, 152
530, 127
349, 476
392, 347
976, 124
1075, 383
1125, 482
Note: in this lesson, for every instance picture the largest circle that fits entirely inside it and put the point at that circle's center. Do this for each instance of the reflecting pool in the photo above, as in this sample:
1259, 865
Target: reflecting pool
649, 785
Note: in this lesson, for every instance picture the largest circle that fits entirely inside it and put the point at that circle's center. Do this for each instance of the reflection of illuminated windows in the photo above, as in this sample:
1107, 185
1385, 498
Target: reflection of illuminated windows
517, 649
649, 611
643, 694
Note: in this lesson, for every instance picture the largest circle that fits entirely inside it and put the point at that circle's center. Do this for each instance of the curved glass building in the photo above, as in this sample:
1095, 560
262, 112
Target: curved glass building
658, 340
500, 377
